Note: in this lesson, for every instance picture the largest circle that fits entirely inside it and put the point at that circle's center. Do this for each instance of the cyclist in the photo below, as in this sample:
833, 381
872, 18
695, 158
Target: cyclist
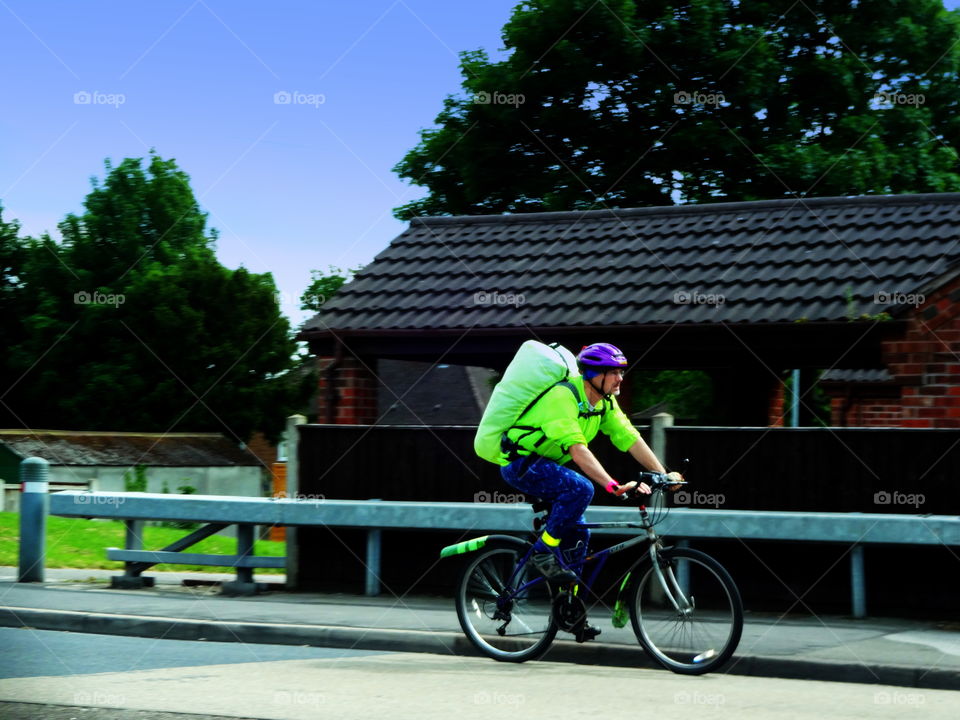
556, 430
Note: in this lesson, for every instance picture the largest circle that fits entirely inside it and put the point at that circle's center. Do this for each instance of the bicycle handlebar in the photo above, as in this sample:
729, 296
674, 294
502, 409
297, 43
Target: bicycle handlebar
658, 482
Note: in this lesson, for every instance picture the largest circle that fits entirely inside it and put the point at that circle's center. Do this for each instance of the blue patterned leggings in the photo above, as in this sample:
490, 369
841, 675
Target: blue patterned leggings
568, 491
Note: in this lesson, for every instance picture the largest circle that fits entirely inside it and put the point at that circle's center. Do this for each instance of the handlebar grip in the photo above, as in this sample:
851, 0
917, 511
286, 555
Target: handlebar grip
652, 477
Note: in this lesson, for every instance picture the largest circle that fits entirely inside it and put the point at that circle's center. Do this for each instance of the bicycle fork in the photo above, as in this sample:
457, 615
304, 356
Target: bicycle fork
672, 588
667, 581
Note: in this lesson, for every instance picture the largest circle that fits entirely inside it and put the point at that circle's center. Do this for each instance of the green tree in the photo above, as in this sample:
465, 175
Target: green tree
136, 326
687, 392
12, 254
627, 103
13, 305
323, 285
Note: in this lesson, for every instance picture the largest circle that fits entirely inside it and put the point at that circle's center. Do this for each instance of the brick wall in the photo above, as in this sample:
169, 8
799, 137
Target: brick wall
261, 447
925, 367
355, 391
926, 362
777, 407
865, 412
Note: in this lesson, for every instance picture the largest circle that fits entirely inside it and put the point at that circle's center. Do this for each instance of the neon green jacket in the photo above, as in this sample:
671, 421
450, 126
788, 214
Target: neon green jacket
554, 424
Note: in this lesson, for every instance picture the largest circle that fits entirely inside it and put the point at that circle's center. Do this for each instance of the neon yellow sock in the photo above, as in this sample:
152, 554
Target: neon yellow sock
549, 539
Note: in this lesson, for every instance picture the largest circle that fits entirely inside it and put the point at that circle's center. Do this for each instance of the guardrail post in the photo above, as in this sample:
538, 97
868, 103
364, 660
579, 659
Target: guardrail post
133, 540
34, 504
374, 538
292, 437
858, 583
658, 434
374, 545
244, 584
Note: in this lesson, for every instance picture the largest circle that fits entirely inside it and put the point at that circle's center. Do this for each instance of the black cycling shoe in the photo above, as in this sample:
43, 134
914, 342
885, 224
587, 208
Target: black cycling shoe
548, 566
586, 632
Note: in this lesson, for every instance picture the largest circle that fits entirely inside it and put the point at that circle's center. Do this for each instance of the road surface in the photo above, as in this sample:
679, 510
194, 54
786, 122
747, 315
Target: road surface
65, 676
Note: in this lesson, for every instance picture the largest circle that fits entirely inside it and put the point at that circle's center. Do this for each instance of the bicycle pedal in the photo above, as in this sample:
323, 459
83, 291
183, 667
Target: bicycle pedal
587, 632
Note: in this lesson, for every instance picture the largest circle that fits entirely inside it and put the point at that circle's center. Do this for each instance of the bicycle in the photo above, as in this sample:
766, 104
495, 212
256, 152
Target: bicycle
684, 607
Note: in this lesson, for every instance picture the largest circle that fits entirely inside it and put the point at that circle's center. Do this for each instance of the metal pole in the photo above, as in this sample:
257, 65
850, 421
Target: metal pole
34, 504
795, 400
133, 532
373, 562
858, 582
244, 550
374, 545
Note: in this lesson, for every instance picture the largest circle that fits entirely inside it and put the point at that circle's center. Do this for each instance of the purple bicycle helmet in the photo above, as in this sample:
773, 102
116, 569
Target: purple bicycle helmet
593, 359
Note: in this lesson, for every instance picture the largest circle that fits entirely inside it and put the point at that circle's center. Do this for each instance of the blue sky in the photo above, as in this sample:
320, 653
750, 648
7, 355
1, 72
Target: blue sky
291, 187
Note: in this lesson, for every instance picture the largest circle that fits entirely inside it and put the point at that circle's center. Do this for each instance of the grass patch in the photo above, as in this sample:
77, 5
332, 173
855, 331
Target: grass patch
80, 543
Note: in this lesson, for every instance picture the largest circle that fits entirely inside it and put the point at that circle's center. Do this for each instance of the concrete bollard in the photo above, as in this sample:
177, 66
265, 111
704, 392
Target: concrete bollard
292, 438
34, 504
658, 434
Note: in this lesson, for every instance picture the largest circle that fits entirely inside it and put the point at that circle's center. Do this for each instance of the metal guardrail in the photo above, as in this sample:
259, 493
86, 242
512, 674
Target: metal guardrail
682, 522
855, 529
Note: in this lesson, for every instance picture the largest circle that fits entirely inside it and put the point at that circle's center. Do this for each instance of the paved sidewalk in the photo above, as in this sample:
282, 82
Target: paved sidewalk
890, 651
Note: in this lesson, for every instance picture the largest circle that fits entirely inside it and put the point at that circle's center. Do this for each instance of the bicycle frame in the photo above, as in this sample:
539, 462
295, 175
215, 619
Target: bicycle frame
666, 613
671, 586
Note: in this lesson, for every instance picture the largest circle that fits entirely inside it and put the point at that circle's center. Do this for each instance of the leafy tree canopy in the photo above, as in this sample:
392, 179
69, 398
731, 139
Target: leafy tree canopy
133, 324
625, 103
323, 286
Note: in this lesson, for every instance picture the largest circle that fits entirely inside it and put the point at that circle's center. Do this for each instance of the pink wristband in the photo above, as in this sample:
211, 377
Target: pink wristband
612, 486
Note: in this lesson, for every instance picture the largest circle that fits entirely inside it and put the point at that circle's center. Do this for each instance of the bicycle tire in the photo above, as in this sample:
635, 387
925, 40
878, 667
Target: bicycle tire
531, 627
706, 636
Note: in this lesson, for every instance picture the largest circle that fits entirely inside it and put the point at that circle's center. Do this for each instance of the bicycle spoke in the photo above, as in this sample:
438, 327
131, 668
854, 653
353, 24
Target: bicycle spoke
502, 624
706, 632
490, 579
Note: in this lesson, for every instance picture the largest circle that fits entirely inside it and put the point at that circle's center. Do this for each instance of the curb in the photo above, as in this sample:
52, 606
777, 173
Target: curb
452, 643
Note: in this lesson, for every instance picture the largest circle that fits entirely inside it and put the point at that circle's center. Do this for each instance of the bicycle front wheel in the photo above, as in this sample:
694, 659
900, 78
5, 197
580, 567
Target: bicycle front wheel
501, 620
689, 615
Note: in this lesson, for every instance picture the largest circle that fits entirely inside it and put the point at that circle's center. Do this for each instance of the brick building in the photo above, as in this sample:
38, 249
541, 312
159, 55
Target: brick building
919, 386
864, 288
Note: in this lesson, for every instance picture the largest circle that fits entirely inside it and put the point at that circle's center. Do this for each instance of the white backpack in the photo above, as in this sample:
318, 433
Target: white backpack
533, 371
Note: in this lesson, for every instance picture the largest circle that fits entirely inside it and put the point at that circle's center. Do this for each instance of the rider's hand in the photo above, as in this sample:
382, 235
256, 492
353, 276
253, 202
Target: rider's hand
615, 488
621, 490
674, 476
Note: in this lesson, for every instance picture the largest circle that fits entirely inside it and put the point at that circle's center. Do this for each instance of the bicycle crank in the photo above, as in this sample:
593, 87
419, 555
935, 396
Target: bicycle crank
569, 612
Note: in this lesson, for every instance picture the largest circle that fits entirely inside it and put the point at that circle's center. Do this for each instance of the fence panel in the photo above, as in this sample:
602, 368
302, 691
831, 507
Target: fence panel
815, 469
821, 469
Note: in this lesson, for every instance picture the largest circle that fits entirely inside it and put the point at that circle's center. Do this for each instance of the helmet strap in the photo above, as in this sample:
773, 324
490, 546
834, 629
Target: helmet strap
599, 390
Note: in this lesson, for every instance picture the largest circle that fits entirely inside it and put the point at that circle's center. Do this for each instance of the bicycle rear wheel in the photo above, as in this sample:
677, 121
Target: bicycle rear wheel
500, 622
691, 622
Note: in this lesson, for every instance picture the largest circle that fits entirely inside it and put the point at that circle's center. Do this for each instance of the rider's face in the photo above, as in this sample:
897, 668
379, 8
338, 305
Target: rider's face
611, 382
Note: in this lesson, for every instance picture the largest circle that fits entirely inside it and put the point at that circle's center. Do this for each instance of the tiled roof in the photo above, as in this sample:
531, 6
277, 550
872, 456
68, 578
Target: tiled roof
421, 393
755, 262
60, 447
871, 375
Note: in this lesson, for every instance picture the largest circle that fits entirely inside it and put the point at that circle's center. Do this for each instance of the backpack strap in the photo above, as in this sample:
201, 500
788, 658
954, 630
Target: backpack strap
576, 394
511, 447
